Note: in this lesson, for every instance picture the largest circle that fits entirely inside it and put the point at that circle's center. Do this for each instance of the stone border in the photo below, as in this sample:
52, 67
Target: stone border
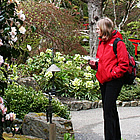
84, 104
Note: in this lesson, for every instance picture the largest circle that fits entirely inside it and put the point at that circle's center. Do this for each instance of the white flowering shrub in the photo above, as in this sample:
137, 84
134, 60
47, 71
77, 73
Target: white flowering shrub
76, 78
12, 33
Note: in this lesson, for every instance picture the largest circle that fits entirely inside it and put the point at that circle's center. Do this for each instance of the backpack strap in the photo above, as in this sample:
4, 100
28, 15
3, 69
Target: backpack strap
115, 45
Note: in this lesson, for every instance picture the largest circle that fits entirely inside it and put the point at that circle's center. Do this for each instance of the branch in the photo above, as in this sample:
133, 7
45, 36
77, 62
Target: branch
104, 6
129, 8
114, 8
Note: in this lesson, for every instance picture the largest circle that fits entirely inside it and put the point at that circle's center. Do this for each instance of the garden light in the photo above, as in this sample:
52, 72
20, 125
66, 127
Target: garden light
52, 132
53, 68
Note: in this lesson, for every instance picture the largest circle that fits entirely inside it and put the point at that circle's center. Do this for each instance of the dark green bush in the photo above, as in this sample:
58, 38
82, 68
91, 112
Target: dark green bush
130, 47
22, 100
130, 93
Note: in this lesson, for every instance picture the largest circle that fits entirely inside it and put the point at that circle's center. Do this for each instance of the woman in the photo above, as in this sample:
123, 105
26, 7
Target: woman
110, 73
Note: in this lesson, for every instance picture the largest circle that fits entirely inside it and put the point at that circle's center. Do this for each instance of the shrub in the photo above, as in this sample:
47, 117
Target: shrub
53, 27
76, 78
130, 92
22, 100
130, 47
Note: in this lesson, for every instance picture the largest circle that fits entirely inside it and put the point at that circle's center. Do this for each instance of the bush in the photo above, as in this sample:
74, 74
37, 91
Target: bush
76, 78
22, 100
130, 47
130, 92
53, 27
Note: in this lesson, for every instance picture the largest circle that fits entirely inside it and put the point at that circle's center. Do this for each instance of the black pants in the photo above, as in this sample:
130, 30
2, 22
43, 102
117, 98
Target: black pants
110, 91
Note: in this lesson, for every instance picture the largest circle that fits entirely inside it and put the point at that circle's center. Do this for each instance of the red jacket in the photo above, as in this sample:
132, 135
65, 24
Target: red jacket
109, 66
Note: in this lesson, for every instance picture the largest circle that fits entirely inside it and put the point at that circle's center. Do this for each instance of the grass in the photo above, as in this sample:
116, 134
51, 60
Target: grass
18, 137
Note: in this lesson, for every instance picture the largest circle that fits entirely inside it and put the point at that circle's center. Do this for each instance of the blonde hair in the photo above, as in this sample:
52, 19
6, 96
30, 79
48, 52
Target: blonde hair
106, 27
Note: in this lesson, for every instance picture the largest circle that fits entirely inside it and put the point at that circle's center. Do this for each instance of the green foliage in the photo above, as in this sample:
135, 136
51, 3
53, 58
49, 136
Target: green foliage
134, 29
76, 78
9, 19
67, 136
22, 100
130, 47
130, 93
54, 27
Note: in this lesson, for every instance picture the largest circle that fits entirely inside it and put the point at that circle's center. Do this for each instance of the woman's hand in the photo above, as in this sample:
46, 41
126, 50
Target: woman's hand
92, 64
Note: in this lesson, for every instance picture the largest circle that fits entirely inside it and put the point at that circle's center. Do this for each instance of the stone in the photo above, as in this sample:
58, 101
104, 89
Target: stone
95, 104
100, 105
28, 82
126, 104
35, 124
76, 105
139, 103
119, 103
86, 104
134, 103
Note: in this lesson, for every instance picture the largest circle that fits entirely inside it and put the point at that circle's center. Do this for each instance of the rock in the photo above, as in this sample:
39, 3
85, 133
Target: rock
28, 82
119, 103
126, 104
86, 104
134, 103
100, 105
95, 104
139, 103
35, 124
76, 105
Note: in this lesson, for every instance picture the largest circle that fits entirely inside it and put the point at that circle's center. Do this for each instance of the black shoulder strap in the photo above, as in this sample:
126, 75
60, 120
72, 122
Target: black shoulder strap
115, 45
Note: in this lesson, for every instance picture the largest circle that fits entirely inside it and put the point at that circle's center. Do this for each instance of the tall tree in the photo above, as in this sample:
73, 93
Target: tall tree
95, 12
119, 11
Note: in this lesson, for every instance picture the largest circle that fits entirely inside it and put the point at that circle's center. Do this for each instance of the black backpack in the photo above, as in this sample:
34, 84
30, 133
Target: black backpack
130, 75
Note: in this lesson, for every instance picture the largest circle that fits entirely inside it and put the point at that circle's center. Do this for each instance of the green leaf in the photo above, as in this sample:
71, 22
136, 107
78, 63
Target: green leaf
33, 28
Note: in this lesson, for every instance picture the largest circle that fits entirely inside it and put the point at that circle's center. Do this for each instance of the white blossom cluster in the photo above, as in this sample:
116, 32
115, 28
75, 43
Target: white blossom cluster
14, 30
11, 116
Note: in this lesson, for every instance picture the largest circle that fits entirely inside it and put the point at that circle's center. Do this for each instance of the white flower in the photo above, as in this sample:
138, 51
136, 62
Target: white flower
19, 13
69, 63
1, 42
13, 31
14, 38
7, 117
42, 53
30, 60
78, 68
89, 84
61, 58
10, 42
88, 75
22, 30
88, 68
29, 47
22, 17
77, 82
48, 75
77, 57
49, 51
1, 60
12, 116
58, 54
138, 4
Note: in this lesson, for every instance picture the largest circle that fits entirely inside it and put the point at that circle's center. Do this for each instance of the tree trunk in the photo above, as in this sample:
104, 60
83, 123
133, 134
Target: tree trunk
94, 10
